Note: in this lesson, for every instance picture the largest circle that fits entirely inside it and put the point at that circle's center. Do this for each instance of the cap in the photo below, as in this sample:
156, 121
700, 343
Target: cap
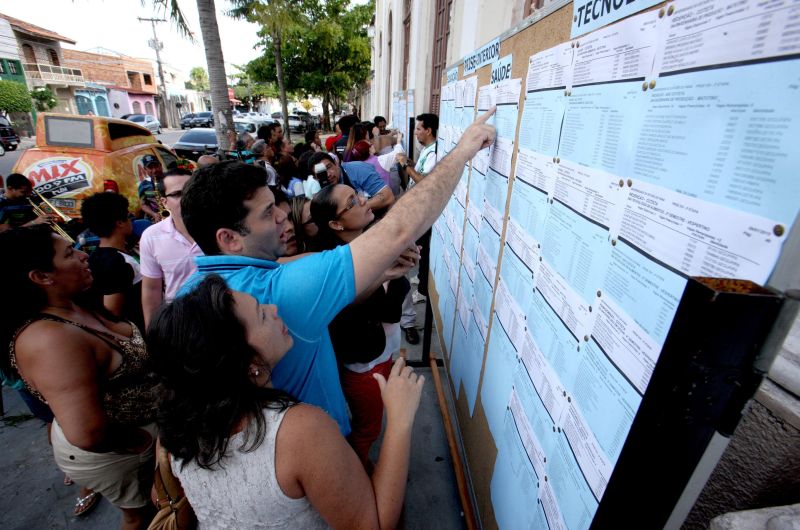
149, 160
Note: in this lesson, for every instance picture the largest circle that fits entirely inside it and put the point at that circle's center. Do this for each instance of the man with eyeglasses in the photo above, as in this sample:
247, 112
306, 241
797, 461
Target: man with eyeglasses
360, 176
166, 249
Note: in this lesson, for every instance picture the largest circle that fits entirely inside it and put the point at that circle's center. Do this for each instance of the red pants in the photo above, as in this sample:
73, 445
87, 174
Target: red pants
364, 398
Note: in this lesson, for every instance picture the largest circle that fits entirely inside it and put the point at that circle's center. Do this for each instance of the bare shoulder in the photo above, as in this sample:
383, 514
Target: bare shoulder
49, 340
304, 423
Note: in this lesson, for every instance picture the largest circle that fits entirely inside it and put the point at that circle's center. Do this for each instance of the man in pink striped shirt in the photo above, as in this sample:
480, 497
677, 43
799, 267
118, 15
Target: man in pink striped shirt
166, 249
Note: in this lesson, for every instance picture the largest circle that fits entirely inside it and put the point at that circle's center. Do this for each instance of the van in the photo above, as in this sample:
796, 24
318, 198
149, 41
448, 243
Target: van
77, 156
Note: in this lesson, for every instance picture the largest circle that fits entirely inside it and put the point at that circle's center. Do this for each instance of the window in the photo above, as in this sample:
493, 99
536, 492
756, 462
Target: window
441, 31
148, 80
137, 107
12, 67
148, 107
27, 51
53, 57
2, 66
166, 156
406, 40
84, 104
71, 132
101, 104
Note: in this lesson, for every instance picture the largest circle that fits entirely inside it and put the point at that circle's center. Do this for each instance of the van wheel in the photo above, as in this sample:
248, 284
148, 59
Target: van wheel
159, 131
2, 149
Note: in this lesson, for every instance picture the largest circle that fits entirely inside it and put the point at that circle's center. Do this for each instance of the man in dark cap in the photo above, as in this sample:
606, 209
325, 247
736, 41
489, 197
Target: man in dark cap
148, 195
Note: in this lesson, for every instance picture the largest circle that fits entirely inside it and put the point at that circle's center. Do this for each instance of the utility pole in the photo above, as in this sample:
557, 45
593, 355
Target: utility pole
158, 46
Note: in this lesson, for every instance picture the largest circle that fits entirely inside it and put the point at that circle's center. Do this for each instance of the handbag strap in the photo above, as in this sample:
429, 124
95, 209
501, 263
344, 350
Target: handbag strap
170, 483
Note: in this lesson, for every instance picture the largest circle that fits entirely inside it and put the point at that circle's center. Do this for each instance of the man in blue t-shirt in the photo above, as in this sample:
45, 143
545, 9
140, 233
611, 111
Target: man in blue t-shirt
232, 216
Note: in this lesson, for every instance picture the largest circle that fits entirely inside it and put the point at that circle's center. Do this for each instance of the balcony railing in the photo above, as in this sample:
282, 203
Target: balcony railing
46, 72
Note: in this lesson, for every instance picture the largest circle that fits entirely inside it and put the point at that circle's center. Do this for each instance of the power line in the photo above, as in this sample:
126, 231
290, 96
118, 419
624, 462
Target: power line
157, 45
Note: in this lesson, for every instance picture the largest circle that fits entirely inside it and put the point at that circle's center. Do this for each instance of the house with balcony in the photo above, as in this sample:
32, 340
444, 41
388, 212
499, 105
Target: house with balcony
116, 84
43, 62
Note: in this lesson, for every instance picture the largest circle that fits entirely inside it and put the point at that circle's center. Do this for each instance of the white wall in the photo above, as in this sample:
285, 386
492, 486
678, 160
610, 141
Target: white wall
472, 24
8, 43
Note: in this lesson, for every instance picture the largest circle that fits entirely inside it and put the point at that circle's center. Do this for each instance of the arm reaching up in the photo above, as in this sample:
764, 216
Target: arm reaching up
375, 250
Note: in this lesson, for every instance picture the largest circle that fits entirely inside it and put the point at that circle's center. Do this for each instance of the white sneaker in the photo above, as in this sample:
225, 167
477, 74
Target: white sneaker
416, 297
414, 281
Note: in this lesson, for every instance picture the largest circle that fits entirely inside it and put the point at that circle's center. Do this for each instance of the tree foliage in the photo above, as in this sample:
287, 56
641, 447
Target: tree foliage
199, 79
44, 99
327, 55
14, 97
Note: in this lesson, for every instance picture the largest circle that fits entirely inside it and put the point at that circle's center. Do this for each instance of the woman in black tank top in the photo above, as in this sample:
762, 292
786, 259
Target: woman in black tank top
91, 370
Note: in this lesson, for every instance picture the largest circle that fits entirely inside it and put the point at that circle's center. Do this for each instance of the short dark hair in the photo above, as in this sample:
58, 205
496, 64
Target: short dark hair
176, 171
214, 198
200, 352
17, 181
429, 121
316, 158
265, 131
280, 196
377, 119
310, 135
102, 210
346, 123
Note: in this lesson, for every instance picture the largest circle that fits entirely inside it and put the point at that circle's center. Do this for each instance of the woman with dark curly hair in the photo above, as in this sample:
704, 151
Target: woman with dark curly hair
90, 368
246, 454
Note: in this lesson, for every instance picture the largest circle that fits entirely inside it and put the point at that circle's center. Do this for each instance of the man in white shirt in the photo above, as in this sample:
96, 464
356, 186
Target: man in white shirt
425, 133
166, 249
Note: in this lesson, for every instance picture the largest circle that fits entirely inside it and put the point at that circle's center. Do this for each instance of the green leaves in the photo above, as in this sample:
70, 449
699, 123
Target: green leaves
14, 97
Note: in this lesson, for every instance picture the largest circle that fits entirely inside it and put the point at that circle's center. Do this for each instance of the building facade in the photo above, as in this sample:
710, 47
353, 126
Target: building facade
42, 58
10, 61
116, 84
413, 41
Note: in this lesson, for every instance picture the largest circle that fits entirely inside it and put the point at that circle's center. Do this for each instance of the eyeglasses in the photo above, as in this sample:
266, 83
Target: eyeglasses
352, 202
175, 194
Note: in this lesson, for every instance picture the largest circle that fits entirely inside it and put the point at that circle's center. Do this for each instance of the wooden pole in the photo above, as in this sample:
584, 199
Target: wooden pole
458, 464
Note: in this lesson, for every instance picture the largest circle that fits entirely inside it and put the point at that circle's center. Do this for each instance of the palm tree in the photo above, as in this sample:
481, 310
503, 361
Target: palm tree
220, 104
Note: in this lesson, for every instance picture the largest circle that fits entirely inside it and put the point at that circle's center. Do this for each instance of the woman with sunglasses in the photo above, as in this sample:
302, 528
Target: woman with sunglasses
249, 456
89, 367
366, 334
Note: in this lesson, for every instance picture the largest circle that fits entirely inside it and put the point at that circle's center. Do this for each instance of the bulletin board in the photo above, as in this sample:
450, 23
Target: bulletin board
580, 270
402, 110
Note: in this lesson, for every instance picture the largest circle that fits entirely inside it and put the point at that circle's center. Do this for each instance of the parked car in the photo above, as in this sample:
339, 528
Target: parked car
203, 119
245, 126
305, 116
147, 121
296, 123
186, 121
195, 143
78, 156
9, 139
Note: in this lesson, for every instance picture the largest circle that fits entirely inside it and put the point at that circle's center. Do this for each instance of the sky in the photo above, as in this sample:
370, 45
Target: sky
113, 24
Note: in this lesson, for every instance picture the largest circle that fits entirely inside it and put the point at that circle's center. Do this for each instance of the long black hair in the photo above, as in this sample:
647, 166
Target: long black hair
323, 210
200, 350
24, 250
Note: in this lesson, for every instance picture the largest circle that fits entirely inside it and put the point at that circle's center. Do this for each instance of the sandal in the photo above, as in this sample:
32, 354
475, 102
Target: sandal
85, 504
68, 481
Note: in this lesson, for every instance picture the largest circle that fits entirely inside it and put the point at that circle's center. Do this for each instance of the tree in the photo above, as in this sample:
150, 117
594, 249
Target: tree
44, 99
199, 78
14, 97
277, 18
327, 57
220, 104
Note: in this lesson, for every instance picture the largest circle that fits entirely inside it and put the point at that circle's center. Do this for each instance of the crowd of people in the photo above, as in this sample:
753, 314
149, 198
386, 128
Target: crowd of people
252, 339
